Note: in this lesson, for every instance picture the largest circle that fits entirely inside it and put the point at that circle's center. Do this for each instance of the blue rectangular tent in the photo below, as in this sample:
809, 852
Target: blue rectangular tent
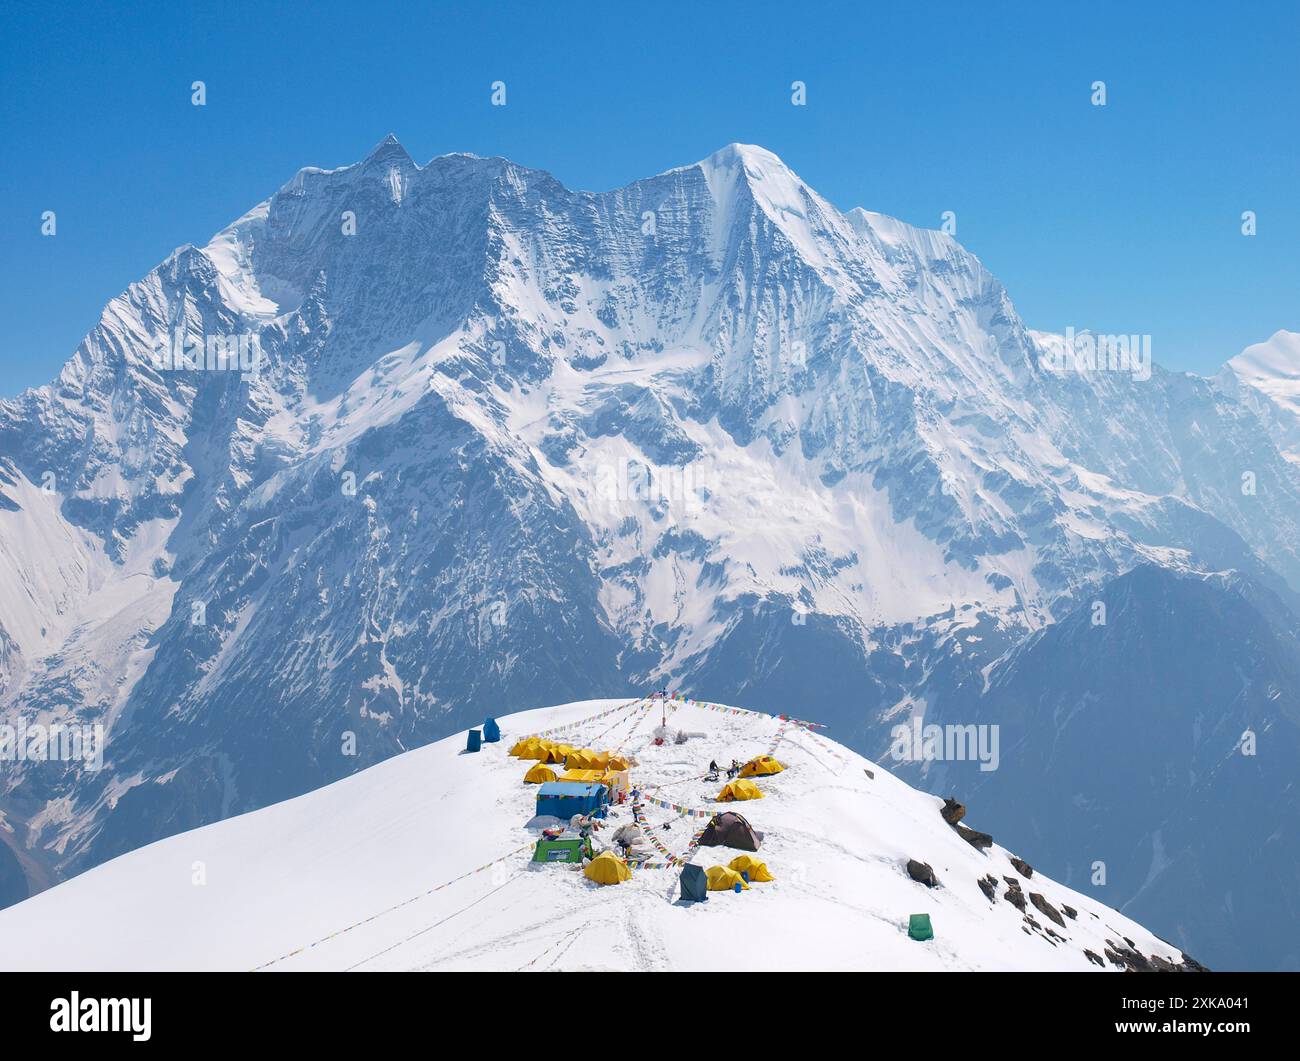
564, 799
491, 731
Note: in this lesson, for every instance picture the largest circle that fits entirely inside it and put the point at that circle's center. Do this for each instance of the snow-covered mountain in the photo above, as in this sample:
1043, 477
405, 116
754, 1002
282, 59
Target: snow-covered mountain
1266, 377
500, 442
423, 862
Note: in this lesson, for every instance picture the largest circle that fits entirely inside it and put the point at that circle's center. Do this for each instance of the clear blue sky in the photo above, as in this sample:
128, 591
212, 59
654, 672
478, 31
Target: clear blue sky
1124, 218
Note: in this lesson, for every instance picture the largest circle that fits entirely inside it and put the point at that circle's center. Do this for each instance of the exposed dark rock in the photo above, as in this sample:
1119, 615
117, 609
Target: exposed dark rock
1047, 908
989, 886
1094, 958
952, 811
1070, 911
1134, 961
869, 774
922, 873
976, 839
1013, 894
1022, 867
1129, 958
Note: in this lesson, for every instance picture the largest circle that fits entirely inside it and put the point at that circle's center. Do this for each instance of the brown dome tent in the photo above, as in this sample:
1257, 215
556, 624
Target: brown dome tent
730, 830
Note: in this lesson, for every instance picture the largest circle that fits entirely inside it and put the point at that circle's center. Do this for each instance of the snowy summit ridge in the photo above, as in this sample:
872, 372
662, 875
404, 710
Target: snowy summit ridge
378, 872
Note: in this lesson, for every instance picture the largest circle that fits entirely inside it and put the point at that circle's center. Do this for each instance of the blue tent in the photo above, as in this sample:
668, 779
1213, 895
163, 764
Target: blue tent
474, 742
695, 884
564, 799
491, 731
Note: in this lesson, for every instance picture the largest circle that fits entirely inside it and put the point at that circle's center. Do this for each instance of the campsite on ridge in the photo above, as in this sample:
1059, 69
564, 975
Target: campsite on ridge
451, 858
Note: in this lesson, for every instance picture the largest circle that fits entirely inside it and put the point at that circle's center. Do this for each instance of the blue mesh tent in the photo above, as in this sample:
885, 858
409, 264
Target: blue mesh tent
695, 884
491, 731
564, 799
474, 742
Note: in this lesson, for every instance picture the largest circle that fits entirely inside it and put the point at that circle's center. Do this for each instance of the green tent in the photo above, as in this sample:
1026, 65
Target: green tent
918, 927
574, 850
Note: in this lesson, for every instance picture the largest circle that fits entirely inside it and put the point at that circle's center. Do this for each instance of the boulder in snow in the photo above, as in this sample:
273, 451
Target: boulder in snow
1047, 908
922, 873
976, 839
1022, 867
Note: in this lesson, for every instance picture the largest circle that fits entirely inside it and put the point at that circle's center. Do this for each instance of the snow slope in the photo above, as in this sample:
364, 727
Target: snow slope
353, 866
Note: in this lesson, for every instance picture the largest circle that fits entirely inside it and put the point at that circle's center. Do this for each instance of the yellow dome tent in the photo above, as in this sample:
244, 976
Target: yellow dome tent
586, 777
618, 763
607, 869
757, 870
586, 759
724, 879
539, 775
761, 767
534, 748
738, 790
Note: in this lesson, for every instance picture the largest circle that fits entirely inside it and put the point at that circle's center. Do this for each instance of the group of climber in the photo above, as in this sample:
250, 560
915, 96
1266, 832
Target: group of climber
715, 771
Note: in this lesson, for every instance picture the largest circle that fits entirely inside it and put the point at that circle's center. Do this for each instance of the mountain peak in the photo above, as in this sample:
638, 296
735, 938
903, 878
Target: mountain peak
756, 164
746, 153
743, 173
387, 150
1278, 357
